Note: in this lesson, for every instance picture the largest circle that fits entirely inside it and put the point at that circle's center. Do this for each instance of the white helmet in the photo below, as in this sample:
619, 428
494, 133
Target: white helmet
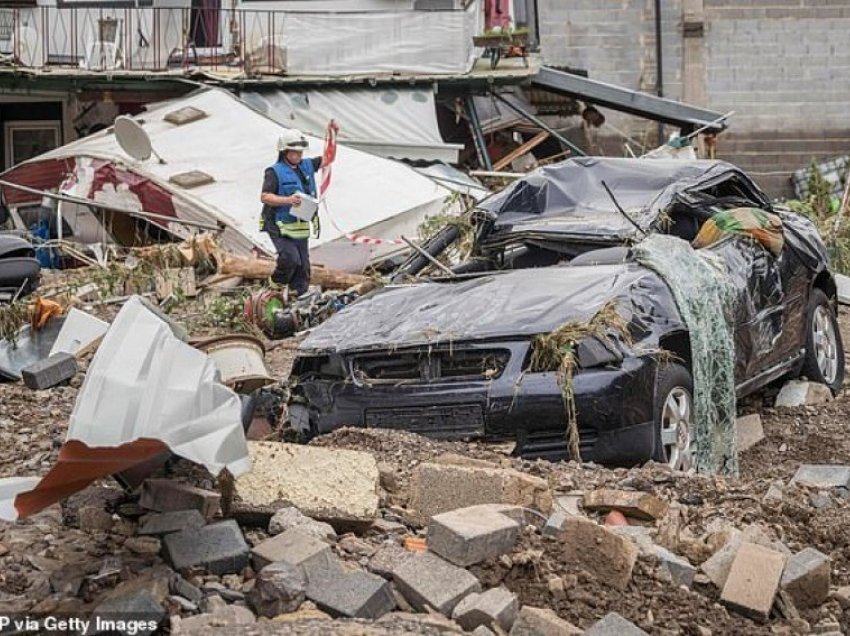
291, 139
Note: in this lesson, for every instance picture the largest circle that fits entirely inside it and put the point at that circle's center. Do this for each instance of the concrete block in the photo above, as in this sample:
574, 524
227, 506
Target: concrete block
49, 372
174, 521
95, 518
471, 535
324, 483
166, 495
279, 588
497, 605
632, 503
355, 594
594, 548
535, 621
290, 517
802, 393
182, 587
807, 578
753, 580
437, 488
822, 476
218, 547
569, 503
426, 580
295, 547
612, 624
749, 431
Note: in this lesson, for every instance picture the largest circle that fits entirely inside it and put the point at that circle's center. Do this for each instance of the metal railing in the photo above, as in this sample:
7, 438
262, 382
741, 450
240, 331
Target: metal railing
142, 38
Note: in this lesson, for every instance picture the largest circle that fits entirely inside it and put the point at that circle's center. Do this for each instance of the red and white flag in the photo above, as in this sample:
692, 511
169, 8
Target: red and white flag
328, 156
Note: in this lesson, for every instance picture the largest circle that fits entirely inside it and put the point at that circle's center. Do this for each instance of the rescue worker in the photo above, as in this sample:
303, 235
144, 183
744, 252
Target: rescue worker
283, 182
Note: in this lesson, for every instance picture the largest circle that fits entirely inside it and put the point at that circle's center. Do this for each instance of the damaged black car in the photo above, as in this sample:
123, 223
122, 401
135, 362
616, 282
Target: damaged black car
452, 355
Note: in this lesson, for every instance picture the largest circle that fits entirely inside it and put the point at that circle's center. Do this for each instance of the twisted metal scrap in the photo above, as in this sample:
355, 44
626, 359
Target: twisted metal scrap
705, 298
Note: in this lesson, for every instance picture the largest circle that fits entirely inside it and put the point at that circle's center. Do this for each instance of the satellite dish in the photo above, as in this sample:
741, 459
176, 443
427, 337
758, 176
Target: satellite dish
134, 139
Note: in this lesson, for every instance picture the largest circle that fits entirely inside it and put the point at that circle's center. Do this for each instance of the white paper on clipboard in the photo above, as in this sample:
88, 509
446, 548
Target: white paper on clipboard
308, 208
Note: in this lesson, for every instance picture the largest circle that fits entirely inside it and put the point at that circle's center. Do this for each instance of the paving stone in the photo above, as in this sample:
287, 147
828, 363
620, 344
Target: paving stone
594, 548
166, 495
140, 598
802, 393
218, 547
215, 622
323, 483
426, 580
181, 586
354, 594
174, 521
279, 588
437, 488
143, 545
497, 605
388, 557
471, 535
632, 503
718, 565
679, 568
749, 431
753, 580
612, 624
536, 621
569, 503
295, 547
822, 476
50, 371
291, 517
807, 578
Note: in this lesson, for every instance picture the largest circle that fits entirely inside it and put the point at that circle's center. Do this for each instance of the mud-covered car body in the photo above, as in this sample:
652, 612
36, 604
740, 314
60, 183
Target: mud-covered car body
449, 357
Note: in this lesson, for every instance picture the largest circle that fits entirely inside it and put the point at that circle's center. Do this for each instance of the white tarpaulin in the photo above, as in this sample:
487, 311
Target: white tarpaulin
410, 42
146, 392
399, 123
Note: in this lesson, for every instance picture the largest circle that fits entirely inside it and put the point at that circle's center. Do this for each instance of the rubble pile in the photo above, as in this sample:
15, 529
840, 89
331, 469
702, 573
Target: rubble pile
382, 532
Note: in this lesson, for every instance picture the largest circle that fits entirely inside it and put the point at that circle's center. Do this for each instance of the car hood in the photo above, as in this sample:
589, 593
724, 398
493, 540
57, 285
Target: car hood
519, 303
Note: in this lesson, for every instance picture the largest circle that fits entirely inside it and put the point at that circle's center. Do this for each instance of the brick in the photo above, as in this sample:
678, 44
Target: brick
471, 535
807, 578
323, 483
632, 503
291, 517
753, 580
295, 547
426, 580
801, 393
497, 605
535, 621
355, 594
749, 431
58, 368
822, 476
606, 555
173, 521
279, 588
437, 488
218, 547
165, 495
612, 624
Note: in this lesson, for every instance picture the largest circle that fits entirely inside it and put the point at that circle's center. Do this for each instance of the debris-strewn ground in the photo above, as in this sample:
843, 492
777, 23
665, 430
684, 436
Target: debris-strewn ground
67, 557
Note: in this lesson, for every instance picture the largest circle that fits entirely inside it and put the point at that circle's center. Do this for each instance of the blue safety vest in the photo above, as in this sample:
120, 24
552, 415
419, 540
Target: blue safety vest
288, 183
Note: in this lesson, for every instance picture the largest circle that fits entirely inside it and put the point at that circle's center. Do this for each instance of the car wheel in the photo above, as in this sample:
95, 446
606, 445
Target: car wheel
674, 417
824, 359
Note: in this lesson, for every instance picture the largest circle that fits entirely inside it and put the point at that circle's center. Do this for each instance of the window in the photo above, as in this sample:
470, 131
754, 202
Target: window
28, 139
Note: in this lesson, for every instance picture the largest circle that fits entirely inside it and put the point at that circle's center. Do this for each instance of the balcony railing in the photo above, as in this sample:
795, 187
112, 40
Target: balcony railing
155, 39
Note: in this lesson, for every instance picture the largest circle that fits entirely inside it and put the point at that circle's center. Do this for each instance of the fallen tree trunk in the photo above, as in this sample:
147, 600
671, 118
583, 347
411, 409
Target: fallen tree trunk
262, 268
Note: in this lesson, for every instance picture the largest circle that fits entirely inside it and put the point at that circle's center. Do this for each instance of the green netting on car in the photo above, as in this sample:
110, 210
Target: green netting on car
706, 299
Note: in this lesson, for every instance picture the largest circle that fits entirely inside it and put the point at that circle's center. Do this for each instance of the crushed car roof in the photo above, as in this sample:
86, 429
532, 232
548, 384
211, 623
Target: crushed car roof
569, 197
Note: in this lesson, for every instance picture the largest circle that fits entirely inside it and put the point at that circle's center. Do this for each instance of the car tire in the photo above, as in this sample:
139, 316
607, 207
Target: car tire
824, 358
673, 410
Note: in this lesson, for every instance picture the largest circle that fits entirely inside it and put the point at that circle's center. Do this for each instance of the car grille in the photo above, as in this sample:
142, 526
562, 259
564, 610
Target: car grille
445, 421
425, 366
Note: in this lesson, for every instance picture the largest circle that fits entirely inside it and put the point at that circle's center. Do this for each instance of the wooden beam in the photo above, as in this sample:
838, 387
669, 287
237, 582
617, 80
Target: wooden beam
528, 146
